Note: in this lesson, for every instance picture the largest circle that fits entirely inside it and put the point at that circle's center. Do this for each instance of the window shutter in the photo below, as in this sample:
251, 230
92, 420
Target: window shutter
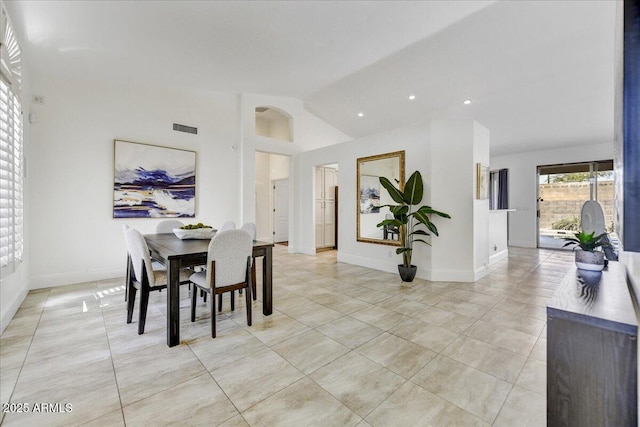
11, 148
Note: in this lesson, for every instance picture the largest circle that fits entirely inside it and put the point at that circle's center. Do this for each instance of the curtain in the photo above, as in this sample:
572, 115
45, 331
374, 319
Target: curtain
503, 190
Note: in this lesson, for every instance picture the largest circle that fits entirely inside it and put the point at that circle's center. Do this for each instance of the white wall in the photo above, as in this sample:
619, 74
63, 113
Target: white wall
269, 167
523, 184
74, 237
498, 248
462, 251
416, 141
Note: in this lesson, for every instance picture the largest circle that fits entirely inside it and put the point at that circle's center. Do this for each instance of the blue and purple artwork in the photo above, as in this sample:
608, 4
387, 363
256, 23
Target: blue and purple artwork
153, 182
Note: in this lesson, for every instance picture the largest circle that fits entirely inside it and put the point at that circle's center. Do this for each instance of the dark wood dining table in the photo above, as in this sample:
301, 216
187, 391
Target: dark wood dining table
176, 254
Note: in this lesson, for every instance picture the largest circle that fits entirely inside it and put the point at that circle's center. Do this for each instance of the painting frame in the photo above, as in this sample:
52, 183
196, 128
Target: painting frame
153, 181
369, 194
482, 181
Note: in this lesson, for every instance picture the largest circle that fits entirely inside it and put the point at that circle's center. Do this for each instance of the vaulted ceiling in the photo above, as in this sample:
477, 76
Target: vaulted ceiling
539, 73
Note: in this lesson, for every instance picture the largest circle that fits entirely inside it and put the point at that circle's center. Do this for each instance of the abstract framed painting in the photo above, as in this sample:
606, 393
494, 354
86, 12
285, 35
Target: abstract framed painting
153, 182
369, 194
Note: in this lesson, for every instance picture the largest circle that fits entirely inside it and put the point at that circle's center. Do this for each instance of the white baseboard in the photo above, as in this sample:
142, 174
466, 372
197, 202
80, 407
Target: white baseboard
71, 278
498, 256
11, 309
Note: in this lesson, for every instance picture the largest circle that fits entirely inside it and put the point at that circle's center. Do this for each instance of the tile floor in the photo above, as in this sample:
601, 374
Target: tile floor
345, 346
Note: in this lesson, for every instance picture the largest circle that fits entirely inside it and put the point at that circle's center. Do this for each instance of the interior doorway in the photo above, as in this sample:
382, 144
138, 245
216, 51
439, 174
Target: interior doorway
562, 190
271, 168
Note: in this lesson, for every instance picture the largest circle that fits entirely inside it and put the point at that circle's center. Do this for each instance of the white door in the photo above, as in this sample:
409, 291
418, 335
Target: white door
281, 210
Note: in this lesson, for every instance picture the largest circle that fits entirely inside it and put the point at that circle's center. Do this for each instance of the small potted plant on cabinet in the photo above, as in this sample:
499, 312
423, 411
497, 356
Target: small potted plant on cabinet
408, 218
588, 255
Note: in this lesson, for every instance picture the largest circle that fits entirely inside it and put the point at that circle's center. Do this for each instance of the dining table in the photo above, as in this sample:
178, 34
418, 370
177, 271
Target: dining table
178, 253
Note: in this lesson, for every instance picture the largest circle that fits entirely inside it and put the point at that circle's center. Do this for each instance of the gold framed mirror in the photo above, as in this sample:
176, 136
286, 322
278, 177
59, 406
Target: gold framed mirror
371, 196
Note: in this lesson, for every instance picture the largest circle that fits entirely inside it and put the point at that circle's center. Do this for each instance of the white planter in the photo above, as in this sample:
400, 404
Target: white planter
592, 261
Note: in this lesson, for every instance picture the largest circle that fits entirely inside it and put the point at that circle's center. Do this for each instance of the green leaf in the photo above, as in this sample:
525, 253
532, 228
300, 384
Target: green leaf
424, 219
413, 189
395, 194
392, 222
423, 241
429, 210
420, 232
401, 250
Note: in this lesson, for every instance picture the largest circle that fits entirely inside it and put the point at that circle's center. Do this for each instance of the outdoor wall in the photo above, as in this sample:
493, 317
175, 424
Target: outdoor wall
523, 184
565, 199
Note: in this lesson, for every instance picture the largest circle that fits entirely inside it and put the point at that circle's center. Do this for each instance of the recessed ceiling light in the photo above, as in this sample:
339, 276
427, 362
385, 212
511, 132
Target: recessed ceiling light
467, 102
360, 114
412, 97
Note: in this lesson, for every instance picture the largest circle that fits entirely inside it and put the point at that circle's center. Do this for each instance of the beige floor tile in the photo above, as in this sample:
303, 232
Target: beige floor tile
462, 307
237, 421
496, 361
523, 408
349, 331
226, 348
112, 419
523, 309
379, 317
91, 390
357, 382
310, 351
253, 378
534, 377
473, 297
303, 403
528, 325
276, 328
539, 351
396, 354
412, 405
142, 375
8, 380
503, 337
446, 319
404, 306
198, 401
432, 337
470, 389
312, 314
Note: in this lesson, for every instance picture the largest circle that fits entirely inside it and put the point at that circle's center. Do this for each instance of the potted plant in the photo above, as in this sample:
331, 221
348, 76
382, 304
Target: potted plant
588, 256
409, 218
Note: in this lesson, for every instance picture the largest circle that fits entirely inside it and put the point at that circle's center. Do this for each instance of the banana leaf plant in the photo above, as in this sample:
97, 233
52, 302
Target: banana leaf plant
413, 221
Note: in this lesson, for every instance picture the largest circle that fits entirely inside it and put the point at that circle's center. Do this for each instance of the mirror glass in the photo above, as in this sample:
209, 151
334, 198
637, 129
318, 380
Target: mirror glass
372, 195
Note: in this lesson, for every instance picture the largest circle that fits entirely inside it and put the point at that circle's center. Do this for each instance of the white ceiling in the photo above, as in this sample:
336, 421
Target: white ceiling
540, 73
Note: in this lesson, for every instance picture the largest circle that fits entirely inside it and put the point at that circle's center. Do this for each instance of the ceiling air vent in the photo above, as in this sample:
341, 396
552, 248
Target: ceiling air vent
185, 128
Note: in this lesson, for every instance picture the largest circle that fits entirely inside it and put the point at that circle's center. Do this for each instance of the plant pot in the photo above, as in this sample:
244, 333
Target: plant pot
592, 261
407, 273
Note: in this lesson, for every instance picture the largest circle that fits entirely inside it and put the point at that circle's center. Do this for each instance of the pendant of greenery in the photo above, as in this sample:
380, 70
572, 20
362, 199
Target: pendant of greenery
410, 219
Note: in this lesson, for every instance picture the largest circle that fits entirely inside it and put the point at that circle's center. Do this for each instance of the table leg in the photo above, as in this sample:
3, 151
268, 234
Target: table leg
173, 303
267, 279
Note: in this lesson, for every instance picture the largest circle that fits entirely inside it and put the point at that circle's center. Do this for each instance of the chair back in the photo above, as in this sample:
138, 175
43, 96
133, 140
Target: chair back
168, 225
250, 227
229, 225
139, 252
229, 249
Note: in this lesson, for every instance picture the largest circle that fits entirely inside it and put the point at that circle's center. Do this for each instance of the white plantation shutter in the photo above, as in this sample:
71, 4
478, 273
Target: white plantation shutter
11, 150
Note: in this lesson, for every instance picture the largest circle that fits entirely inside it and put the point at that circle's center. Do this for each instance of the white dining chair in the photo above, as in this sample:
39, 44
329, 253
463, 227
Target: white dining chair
229, 225
143, 277
228, 270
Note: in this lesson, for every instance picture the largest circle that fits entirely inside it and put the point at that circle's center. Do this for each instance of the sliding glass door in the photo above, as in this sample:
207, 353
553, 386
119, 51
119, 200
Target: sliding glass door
562, 190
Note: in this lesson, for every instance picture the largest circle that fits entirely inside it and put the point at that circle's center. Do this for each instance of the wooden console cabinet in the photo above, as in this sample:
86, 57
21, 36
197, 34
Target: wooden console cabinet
592, 351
